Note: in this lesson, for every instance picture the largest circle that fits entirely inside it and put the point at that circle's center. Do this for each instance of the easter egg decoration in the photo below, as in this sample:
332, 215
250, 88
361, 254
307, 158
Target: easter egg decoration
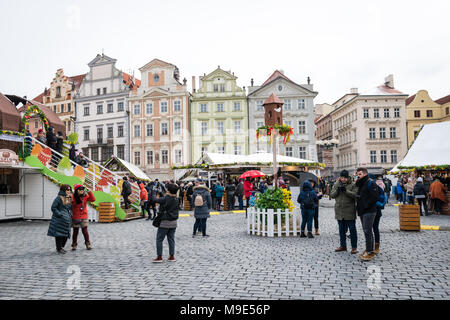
45, 156
79, 173
65, 167
107, 175
37, 149
101, 185
115, 193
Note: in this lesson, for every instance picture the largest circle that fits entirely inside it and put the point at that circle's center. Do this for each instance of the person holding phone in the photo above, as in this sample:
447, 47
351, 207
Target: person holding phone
80, 199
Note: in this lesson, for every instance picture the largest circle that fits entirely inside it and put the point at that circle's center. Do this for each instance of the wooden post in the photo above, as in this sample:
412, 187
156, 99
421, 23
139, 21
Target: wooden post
274, 151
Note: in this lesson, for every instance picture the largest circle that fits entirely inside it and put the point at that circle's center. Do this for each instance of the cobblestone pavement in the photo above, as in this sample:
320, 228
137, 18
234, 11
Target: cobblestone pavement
228, 265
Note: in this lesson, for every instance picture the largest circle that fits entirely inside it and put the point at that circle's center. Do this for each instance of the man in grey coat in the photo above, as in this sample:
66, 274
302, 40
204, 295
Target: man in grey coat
344, 192
202, 203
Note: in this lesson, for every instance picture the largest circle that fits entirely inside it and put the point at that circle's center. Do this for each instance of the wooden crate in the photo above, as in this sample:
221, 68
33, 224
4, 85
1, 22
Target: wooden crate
446, 206
409, 217
187, 204
106, 212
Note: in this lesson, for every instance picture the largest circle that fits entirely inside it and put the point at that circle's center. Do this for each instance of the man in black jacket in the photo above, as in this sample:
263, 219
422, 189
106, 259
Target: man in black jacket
420, 193
366, 206
126, 191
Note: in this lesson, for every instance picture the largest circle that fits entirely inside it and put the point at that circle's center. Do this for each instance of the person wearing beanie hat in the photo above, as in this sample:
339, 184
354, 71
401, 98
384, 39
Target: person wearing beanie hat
41, 137
80, 214
420, 193
344, 192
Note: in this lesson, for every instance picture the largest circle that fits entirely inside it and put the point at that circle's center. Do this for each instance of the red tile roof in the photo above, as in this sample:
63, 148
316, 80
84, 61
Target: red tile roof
410, 99
77, 80
273, 99
39, 98
443, 100
128, 80
275, 75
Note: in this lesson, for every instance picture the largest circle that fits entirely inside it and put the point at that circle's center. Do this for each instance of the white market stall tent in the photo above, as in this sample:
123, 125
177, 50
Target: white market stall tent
430, 150
124, 167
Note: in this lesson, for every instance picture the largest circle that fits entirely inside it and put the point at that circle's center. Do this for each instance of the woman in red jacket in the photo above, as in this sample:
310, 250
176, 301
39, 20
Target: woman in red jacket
248, 189
80, 214
144, 199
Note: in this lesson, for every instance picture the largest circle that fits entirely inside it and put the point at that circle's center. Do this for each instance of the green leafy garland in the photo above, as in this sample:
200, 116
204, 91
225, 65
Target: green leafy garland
291, 164
12, 133
283, 130
27, 116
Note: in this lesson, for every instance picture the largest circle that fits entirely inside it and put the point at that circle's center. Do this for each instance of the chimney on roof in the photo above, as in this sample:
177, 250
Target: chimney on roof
389, 81
184, 81
353, 90
193, 84
309, 80
251, 81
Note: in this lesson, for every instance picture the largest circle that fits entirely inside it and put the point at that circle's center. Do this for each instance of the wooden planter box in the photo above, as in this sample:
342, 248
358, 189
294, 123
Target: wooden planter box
106, 212
268, 223
409, 217
446, 206
187, 204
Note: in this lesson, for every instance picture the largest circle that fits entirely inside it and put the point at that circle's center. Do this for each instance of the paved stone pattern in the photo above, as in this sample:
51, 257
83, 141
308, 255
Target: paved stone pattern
228, 265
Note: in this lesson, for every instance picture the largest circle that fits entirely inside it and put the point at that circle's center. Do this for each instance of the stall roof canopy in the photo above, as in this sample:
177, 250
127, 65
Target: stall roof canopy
256, 159
10, 116
431, 148
132, 169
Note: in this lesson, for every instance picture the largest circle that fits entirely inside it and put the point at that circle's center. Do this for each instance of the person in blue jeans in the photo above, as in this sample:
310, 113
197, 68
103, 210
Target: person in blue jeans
380, 206
308, 202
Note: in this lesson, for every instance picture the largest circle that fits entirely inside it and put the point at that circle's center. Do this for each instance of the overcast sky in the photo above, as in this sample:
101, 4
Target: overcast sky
339, 44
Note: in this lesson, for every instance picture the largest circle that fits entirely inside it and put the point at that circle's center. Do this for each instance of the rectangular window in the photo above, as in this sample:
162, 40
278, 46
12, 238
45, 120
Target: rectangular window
237, 127
376, 113
177, 106
287, 104
237, 150
221, 149
104, 90
120, 131
58, 92
416, 113
137, 109
382, 133
393, 133
137, 158
99, 91
259, 124
164, 107
366, 113
222, 88
86, 134
99, 135
237, 106
301, 104
54, 109
99, 109
302, 152
289, 151
447, 110
259, 105
107, 152
120, 106
204, 128
386, 113
69, 107
150, 157
394, 156
94, 154
177, 126
110, 108
220, 107
301, 127
62, 108
220, 128
121, 152
371, 133
164, 129
216, 88
429, 113
396, 113
383, 156
203, 107
149, 130
373, 156
165, 156
110, 132
149, 108
137, 130
177, 156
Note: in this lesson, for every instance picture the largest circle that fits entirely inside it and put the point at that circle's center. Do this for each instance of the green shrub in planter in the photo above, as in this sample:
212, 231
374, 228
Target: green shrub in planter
272, 199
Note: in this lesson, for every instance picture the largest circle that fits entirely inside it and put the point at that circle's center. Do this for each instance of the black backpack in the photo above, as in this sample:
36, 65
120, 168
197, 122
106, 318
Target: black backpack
308, 202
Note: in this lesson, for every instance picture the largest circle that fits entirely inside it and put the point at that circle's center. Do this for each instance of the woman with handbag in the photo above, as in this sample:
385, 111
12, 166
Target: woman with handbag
80, 214
62, 215
166, 222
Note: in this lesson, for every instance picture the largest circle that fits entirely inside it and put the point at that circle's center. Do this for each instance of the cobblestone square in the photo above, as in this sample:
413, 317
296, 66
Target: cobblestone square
228, 265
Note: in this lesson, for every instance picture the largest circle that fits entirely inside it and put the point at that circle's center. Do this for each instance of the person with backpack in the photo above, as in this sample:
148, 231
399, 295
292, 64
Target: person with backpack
230, 189
307, 199
380, 206
420, 193
366, 206
202, 203
168, 216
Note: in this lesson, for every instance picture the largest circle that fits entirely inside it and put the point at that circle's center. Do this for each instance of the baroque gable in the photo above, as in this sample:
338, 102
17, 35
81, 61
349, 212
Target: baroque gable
218, 73
101, 59
288, 89
156, 63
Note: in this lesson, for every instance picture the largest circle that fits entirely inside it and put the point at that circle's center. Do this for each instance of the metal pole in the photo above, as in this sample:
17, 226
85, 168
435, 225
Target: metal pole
274, 152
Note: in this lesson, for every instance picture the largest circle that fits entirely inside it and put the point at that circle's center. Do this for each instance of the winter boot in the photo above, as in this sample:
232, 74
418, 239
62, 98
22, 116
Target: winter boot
88, 245
302, 235
310, 235
74, 246
340, 249
377, 248
317, 232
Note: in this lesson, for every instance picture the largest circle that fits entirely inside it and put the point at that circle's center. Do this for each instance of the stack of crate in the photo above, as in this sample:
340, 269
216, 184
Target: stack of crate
106, 212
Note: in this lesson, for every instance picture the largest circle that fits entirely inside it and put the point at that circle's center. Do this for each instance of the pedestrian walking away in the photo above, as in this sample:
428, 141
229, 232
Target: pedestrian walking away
126, 192
240, 195
437, 193
167, 222
230, 189
366, 207
202, 203
344, 192
80, 216
420, 194
308, 202
59, 227
219, 194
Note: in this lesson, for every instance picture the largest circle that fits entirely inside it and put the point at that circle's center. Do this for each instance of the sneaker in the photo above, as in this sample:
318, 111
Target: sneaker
340, 249
367, 256
206, 235
63, 251
158, 259
60, 251
310, 235
302, 235
171, 259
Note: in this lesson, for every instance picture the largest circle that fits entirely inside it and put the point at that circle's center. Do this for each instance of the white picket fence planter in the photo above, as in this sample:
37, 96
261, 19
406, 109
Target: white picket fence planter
256, 222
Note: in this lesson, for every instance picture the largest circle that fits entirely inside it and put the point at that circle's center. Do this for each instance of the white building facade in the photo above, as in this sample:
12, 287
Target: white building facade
101, 111
298, 112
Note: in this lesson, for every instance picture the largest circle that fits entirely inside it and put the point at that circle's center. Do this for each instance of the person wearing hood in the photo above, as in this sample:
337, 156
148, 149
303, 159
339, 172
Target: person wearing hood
219, 193
420, 193
344, 192
366, 206
316, 211
202, 203
308, 202
144, 199
62, 215
80, 214
401, 191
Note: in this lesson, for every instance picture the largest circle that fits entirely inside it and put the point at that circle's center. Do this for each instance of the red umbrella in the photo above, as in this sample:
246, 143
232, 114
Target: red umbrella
252, 174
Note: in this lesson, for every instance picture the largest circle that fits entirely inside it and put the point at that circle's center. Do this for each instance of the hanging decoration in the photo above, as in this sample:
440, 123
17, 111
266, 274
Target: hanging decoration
32, 109
283, 130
